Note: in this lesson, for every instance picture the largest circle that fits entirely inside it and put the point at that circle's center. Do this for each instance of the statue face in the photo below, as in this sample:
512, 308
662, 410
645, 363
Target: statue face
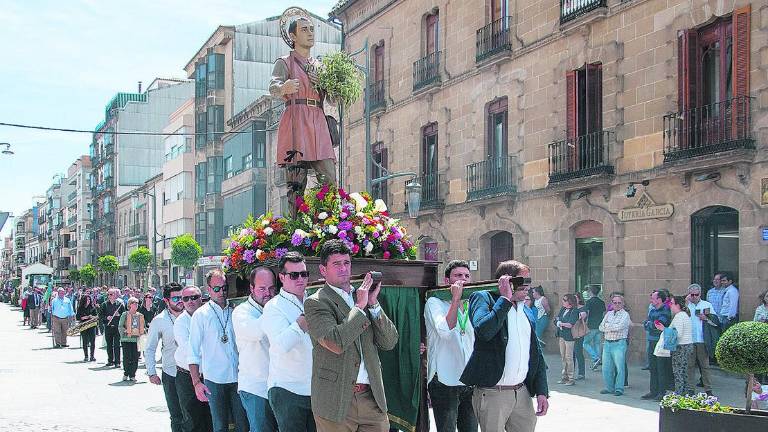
305, 34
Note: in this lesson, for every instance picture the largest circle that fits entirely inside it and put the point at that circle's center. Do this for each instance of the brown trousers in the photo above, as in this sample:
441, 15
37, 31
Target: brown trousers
296, 178
363, 415
699, 359
59, 326
34, 317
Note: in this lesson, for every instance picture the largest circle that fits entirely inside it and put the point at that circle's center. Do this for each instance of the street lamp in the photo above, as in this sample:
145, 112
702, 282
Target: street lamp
134, 204
7, 150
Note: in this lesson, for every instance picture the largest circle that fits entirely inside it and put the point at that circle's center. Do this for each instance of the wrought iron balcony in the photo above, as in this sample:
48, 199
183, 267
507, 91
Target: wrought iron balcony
431, 194
376, 95
709, 129
572, 9
494, 38
583, 156
491, 177
426, 70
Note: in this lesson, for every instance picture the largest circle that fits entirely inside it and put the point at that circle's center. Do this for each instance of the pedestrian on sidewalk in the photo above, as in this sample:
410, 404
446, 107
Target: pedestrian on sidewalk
109, 314
700, 310
578, 341
595, 307
34, 304
24, 308
131, 326
564, 322
86, 310
683, 346
615, 324
543, 310
661, 366
62, 311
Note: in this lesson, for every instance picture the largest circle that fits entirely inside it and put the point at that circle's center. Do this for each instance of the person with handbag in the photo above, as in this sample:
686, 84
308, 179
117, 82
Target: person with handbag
565, 322
579, 331
131, 326
677, 342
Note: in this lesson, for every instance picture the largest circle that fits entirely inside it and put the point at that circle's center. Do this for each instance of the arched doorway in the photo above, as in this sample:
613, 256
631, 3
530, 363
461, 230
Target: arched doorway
502, 249
588, 268
714, 243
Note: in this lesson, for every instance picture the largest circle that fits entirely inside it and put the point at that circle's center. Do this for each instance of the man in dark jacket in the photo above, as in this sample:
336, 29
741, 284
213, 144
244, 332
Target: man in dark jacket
661, 367
109, 314
507, 366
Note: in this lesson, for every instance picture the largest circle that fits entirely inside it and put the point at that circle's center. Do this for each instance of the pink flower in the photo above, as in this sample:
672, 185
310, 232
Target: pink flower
355, 249
386, 255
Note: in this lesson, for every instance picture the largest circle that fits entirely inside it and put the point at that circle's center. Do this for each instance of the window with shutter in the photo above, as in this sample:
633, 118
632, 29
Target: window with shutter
432, 36
584, 117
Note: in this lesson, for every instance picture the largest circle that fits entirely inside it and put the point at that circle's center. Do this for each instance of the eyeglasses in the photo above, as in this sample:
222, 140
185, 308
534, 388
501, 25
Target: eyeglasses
219, 288
176, 299
295, 275
694, 294
191, 298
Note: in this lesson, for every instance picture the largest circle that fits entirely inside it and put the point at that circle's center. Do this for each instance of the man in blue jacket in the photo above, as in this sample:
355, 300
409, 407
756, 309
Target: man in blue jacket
507, 366
661, 367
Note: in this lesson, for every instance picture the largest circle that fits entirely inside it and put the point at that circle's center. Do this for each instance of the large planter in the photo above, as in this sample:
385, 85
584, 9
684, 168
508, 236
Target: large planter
702, 421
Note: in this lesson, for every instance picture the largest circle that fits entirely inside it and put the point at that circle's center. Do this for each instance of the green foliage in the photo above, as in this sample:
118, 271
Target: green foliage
185, 251
743, 348
340, 79
74, 274
88, 274
699, 402
108, 264
140, 258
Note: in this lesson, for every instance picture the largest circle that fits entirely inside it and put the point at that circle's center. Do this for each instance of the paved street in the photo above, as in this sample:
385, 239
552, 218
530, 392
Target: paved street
87, 397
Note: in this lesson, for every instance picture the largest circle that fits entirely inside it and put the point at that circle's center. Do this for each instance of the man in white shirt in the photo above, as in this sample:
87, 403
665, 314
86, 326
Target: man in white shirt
213, 357
290, 348
729, 311
197, 414
699, 310
450, 337
161, 328
253, 346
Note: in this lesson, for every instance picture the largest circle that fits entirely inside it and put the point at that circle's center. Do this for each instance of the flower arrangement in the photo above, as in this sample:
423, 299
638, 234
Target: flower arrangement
324, 213
339, 78
698, 402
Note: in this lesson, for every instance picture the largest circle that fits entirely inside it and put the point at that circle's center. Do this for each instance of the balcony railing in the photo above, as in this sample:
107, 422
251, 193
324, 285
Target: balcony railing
430, 191
494, 38
72, 220
136, 230
73, 244
426, 70
582, 156
376, 95
710, 129
572, 9
491, 177
71, 197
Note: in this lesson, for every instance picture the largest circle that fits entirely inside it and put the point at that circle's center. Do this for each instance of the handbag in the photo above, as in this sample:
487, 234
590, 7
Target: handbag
333, 129
579, 329
141, 344
659, 350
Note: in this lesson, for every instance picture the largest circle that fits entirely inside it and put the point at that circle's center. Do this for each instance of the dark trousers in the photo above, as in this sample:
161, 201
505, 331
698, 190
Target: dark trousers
130, 358
452, 407
196, 414
172, 400
112, 337
88, 338
578, 356
293, 412
225, 404
661, 375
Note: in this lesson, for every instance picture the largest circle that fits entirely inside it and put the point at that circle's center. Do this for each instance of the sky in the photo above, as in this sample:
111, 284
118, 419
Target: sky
62, 61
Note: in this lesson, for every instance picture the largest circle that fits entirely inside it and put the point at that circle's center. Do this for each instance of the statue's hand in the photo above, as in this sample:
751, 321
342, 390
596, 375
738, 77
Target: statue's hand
289, 87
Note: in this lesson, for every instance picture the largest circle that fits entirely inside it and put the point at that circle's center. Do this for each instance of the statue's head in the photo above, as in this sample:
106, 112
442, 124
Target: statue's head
302, 33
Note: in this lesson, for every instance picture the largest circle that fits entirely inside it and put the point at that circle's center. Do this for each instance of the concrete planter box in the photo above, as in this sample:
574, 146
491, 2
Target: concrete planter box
702, 421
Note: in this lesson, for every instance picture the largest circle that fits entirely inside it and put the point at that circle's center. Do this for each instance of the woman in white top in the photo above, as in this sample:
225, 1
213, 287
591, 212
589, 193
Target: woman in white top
681, 322
542, 311
761, 313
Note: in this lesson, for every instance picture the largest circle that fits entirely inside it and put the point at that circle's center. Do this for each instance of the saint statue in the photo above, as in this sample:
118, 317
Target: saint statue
303, 136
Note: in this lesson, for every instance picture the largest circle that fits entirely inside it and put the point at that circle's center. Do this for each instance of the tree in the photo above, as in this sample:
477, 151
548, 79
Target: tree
140, 259
743, 349
108, 264
87, 274
185, 251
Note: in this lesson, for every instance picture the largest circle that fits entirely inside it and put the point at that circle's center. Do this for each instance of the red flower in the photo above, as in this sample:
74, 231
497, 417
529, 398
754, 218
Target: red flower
276, 227
315, 244
304, 208
343, 193
355, 249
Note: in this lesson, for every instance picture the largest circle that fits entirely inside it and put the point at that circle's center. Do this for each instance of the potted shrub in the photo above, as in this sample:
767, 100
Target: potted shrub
742, 349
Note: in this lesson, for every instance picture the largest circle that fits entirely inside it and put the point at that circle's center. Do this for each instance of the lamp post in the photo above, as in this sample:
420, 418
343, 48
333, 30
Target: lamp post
134, 198
7, 150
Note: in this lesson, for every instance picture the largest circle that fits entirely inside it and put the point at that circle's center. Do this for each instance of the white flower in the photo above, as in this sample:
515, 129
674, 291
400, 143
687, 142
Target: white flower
360, 202
379, 206
359, 230
243, 232
322, 216
265, 222
379, 227
368, 248
332, 229
302, 233
268, 231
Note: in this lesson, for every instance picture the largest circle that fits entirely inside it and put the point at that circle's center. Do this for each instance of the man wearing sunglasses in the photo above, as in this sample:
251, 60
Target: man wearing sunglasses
161, 328
253, 346
290, 349
196, 414
347, 334
507, 366
213, 357
699, 325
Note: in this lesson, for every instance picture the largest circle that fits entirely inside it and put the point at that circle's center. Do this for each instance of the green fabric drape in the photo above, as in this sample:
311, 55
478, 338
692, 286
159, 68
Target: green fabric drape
401, 365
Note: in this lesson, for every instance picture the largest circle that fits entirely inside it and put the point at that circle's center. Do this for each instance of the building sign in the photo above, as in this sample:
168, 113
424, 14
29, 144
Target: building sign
765, 233
208, 261
764, 192
646, 208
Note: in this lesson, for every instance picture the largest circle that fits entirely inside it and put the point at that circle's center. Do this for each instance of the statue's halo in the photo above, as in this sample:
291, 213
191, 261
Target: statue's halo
287, 17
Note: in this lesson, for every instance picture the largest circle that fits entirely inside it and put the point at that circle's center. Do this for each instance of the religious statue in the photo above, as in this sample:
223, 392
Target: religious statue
303, 136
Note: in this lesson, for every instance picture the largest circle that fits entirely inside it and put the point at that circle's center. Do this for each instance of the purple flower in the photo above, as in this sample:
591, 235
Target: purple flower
343, 215
280, 252
249, 256
296, 239
233, 245
346, 225
375, 234
342, 234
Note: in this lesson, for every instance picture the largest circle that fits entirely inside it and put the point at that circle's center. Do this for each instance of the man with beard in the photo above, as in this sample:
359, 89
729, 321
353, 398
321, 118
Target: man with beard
197, 414
161, 328
253, 346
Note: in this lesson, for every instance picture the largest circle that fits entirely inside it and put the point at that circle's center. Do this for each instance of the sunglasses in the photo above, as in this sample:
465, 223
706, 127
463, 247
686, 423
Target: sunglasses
519, 280
295, 275
176, 299
694, 294
219, 288
191, 298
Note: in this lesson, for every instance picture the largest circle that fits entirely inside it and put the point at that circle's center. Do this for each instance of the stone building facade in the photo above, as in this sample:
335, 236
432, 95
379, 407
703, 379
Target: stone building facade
619, 143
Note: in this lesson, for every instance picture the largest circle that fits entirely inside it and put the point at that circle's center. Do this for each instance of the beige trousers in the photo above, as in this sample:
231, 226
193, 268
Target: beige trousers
566, 356
59, 326
363, 415
504, 410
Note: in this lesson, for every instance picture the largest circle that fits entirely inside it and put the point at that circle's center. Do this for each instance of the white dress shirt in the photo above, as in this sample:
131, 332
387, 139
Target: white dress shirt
290, 349
219, 359
253, 346
730, 307
697, 325
448, 350
181, 336
161, 327
518, 347
362, 372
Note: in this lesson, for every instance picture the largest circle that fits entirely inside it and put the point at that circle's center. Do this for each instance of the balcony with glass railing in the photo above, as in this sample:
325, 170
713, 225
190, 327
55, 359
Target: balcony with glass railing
491, 177
709, 129
573, 9
494, 38
426, 71
583, 156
